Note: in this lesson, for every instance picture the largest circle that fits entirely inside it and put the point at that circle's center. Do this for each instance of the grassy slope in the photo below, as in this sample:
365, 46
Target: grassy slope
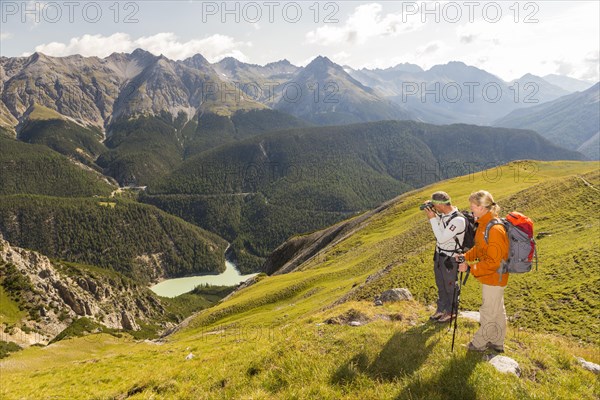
42, 113
9, 309
269, 341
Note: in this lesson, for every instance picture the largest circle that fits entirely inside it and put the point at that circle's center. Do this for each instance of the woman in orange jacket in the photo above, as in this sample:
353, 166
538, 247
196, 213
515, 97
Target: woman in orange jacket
484, 260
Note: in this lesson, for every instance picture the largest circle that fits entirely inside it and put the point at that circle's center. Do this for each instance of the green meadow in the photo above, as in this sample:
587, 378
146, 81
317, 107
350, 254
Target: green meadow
287, 337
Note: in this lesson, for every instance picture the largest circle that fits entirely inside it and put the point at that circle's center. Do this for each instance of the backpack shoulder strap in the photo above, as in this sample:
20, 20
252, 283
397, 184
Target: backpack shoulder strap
454, 215
495, 221
458, 214
486, 236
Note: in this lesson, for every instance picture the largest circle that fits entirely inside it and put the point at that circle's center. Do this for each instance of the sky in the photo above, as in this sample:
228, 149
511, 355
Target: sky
506, 38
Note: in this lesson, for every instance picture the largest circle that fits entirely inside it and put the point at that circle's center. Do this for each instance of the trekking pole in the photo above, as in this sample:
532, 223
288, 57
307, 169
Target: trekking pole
456, 297
455, 308
467, 275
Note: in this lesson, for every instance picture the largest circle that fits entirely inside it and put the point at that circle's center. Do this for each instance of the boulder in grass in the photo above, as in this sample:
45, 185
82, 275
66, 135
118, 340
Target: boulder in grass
351, 317
505, 364
590, 366
472, 315
398, 294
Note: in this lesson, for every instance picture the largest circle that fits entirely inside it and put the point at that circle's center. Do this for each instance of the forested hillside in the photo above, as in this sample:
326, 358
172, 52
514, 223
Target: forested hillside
138, 240
260, 191
35, 169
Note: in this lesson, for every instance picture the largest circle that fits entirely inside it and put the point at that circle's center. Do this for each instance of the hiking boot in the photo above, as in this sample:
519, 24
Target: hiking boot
472, 347
446, 317
436, 316
498, 348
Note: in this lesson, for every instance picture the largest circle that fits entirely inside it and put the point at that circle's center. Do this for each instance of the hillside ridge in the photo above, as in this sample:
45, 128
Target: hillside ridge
289, 335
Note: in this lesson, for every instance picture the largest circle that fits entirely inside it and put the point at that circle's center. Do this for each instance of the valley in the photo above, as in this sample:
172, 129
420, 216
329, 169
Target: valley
168, 231
271, 339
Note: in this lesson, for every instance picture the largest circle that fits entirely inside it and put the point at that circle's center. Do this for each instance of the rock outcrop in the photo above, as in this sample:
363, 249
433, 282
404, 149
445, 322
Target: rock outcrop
472, 315
398, 294
590, 366
54, 295
505, 365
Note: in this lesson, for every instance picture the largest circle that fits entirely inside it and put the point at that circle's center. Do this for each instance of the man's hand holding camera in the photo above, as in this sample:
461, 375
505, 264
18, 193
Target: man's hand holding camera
428, 208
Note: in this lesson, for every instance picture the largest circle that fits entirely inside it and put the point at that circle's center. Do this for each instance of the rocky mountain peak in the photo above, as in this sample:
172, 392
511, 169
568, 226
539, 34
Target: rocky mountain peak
230, 62
37, 57
406, 67
321, 62
197, 61
280, 63
138, 53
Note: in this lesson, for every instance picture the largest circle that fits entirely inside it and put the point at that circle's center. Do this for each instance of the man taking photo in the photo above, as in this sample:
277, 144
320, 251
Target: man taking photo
449, 228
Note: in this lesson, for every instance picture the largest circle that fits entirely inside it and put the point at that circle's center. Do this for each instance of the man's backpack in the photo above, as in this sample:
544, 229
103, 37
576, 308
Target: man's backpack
522, 247
470, 228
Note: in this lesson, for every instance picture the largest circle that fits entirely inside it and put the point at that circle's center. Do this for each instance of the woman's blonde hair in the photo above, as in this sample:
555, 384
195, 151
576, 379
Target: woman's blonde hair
485, 199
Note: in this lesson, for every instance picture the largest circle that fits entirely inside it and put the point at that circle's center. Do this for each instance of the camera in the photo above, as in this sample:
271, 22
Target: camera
423, 206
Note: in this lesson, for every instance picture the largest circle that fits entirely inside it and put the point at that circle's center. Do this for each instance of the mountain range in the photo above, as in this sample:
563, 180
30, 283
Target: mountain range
119, 172
99, 92
567, 83
456, 92
215, 152
571, 121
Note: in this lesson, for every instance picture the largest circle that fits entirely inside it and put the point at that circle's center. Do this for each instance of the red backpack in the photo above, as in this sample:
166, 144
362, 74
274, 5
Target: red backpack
522, 247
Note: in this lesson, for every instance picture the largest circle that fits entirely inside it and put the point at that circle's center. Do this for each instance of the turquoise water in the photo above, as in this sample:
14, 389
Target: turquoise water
175, 287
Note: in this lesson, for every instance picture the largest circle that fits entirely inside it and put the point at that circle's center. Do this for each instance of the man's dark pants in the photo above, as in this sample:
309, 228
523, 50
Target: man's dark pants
444, 279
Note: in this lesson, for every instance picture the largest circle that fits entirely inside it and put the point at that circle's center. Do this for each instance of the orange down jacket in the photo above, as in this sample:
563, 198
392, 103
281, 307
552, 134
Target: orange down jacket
488, 255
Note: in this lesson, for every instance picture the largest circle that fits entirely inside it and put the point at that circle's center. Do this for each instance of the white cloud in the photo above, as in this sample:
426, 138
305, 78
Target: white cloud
89, 45
467, 38
213, 48
592, 62
512, 49
429, 48
5, 35
340, 58
366, 22
563, 67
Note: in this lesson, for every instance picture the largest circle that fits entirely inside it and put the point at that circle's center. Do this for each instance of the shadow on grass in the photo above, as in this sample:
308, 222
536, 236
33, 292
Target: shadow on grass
401, 356
452, 382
